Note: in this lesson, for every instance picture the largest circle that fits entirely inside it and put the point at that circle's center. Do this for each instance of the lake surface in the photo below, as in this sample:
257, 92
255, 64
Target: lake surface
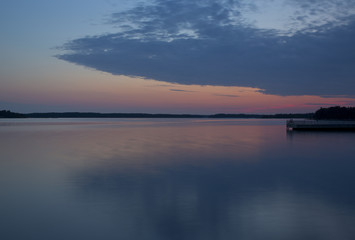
174, 179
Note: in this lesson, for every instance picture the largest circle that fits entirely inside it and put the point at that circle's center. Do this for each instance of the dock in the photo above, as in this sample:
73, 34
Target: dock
320, 125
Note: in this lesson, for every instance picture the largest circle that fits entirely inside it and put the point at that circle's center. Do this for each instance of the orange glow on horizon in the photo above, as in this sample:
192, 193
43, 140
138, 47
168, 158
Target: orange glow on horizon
102, 92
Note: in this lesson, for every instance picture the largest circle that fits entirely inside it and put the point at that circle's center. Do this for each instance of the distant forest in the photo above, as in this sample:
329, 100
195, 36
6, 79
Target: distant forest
335, 113
9, 114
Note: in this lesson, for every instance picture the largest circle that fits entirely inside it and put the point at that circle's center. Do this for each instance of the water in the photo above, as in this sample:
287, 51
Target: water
174, 179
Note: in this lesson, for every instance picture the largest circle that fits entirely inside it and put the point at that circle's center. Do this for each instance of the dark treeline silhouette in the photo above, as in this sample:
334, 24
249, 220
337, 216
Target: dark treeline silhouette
108, 115
335, 113
279, 115
8, 114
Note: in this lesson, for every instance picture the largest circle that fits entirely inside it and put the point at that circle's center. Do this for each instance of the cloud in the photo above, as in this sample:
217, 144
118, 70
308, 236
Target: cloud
319, 104
226, 95
216, 42
180, 90
337, 96
160, 85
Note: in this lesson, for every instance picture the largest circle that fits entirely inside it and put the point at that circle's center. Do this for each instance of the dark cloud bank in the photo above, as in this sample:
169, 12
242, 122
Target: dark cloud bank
209, 43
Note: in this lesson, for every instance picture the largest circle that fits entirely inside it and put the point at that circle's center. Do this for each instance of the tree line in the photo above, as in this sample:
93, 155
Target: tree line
335, 113
330, 113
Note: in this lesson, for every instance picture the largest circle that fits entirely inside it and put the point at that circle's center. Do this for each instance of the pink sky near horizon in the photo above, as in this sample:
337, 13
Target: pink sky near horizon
81, 89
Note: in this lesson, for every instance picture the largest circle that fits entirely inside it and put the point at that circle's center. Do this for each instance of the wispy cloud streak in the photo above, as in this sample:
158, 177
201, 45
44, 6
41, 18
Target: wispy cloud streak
226, 95
180, 90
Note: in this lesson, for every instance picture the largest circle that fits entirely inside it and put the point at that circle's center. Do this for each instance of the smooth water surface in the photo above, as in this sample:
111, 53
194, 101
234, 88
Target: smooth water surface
174, 179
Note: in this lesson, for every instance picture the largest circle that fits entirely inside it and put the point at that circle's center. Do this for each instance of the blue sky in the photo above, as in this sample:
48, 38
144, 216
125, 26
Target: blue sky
276, 47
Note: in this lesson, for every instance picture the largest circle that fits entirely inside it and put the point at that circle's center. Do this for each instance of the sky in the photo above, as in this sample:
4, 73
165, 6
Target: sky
177, 56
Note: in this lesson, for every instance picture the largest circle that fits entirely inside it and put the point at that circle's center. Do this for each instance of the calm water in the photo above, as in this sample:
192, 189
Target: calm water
174, 179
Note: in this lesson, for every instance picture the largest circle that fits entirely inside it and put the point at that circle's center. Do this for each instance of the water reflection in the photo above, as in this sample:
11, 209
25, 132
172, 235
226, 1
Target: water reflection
184, 179
222, 202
